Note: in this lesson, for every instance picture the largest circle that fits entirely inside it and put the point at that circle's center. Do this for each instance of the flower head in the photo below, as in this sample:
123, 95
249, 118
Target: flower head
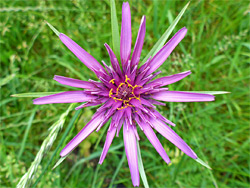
127, 94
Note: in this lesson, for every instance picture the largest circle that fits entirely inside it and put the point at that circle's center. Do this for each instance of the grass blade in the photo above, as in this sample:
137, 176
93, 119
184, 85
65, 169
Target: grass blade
165, 36
115, 30
27, 132
71, 123
141, 168
92, 156
117, 169
7, 79
95, 176
46, 145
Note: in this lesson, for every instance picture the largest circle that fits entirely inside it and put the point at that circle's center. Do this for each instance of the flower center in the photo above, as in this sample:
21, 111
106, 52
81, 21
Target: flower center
124, 92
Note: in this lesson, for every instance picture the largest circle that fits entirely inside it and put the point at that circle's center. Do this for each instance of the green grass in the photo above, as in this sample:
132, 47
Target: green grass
216, 50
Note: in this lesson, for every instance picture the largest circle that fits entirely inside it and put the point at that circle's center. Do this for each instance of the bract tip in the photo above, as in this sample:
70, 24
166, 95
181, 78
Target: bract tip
52, 28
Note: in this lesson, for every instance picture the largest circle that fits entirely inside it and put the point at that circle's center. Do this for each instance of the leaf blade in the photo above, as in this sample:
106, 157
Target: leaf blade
115, 30
159, 44
141, 168
35, 94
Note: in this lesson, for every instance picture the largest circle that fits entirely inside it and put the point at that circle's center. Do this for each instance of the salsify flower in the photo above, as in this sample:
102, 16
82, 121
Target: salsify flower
127, 94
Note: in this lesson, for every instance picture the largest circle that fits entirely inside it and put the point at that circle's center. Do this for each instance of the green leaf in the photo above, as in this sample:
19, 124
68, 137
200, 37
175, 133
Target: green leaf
27, 132
35, 94
203, 163
115, 30
92, 156
141, 168
210, 92
165, 36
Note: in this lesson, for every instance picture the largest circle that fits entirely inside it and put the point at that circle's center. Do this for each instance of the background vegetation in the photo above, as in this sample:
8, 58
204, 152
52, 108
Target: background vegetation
216, 50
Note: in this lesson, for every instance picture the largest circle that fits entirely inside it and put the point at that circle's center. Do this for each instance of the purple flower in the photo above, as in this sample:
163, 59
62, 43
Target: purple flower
127, 95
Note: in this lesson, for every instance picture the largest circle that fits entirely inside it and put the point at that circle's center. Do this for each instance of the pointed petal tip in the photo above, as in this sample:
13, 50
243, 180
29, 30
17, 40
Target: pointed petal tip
35, 101
183, 31
143, 19
125, 3
188, 71
136, 184
55, 77
81, 54
62, 153
78, 108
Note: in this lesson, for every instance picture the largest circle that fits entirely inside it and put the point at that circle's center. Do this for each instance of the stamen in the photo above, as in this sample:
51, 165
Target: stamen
124, 93
117, 90
110, 92
127, 78
112, 81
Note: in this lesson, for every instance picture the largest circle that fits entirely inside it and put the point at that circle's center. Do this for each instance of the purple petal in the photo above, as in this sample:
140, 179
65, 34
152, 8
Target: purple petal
161, 117
146, 103
169, 79
84, 56
109, 139
126, 36
86, 131
139, 42
181, 96
119, 126
169, 134
113, 59
131, 152
88, 104
156, 102
155, 141
166, 50
107, 67
64, 97
74, 82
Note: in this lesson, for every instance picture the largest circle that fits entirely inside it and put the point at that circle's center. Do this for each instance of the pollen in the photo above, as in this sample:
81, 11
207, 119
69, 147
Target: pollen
124, 92
112, 81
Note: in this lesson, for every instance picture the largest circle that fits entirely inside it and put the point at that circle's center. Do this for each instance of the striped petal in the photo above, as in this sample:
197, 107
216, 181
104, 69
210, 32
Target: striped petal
181, 96
166, 50
169, 134
168, 79
131, 152
64, 97
139, 42
86, 131
148, 131
74, 82
84, 56
109, 139
126, 35
113, 60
